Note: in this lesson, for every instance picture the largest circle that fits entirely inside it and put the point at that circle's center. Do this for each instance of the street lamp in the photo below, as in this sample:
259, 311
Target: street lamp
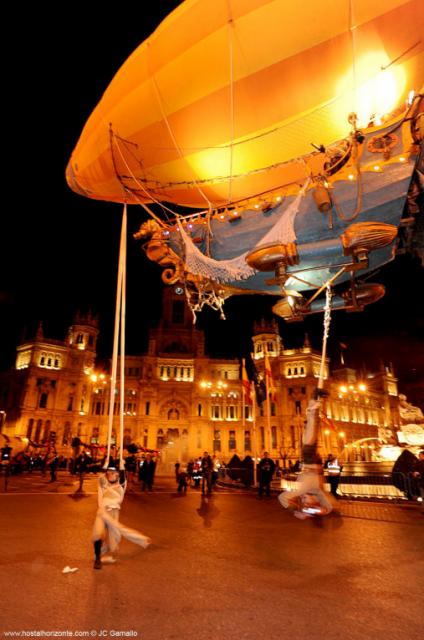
98, 383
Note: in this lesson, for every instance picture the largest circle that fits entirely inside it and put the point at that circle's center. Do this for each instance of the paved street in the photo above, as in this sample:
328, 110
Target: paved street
229, 567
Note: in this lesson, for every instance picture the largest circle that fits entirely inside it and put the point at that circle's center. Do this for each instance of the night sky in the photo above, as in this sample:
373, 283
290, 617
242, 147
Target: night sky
59, 250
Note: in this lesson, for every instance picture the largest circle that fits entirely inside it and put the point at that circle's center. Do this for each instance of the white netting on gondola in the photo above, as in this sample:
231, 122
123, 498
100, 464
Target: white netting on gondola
283, 230
237, 269
217, 270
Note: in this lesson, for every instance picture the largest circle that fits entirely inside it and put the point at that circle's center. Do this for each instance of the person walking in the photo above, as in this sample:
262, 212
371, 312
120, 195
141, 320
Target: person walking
334, 471
53, 463
177, 470
207, 470
82, 466
266, 468
146, 473
182, 481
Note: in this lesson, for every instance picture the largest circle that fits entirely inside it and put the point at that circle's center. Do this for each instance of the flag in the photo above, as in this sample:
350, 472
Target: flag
326, 422
260, 388
269, 380
245, 383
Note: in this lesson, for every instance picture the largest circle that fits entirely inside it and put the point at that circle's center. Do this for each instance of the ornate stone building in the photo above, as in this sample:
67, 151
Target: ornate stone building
181, 401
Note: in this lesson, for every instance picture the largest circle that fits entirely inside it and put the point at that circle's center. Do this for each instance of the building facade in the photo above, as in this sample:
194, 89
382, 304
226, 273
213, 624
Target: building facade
182, 402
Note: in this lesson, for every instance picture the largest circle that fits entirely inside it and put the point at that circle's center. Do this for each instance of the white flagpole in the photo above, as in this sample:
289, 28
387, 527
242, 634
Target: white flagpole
122, 345
116, 336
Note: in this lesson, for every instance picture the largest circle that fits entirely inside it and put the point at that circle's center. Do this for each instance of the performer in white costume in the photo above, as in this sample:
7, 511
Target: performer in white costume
309, 497
107, 530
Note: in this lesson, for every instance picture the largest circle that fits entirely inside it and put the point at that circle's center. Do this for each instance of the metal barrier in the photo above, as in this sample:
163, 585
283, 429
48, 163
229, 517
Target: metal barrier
236, 475
394, 485
361, 485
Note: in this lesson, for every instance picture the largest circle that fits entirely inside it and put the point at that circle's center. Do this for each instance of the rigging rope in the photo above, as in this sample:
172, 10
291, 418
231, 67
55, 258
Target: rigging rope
327, 319
171, 133
119, 324
149, 195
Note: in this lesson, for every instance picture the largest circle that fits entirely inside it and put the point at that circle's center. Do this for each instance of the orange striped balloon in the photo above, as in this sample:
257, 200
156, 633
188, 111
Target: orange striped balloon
222, 101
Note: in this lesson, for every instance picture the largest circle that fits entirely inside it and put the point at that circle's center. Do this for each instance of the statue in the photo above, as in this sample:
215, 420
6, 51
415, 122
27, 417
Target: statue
408, 413
411, 423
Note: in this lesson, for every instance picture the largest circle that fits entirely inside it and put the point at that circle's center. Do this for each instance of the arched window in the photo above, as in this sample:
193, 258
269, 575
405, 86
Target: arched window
173, 414
37, 434
248, 412
66, 438
216, 412
217, 440
247, 441
231, 412
46, 430
43, 401
30, 427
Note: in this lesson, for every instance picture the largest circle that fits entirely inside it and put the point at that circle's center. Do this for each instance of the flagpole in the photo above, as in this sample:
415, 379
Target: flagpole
269, 388
255, 443
243, 405
268, 414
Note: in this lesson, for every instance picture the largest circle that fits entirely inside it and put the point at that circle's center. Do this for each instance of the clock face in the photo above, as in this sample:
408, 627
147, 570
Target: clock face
179, 291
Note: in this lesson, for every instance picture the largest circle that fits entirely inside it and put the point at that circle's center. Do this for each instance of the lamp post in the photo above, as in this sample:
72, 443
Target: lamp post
98, 384
2, 420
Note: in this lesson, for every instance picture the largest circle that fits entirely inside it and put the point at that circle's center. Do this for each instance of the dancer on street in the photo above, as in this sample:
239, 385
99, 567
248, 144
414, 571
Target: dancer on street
107, 530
